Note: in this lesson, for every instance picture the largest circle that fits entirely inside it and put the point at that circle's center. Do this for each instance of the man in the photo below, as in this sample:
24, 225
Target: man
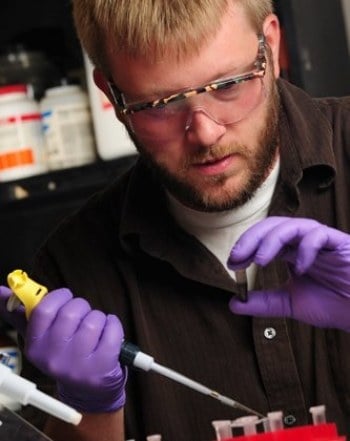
223, 144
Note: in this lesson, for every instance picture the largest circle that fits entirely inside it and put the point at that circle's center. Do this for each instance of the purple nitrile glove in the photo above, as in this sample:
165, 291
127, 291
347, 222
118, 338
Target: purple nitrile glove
79, 348
318, 292
15, 318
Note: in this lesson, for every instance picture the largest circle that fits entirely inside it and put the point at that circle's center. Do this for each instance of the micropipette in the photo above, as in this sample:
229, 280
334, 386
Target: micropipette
30, 294
25, 392
131, 355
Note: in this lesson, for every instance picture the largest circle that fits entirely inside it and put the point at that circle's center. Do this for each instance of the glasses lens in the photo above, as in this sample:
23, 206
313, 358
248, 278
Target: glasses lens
233, 103
226, 105
160, 122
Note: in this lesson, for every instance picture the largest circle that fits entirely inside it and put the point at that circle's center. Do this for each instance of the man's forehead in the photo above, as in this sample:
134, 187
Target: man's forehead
232, 48
234, 24
166, 77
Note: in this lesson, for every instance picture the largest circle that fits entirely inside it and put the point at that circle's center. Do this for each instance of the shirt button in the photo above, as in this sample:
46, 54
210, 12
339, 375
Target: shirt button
270, 333
289, 420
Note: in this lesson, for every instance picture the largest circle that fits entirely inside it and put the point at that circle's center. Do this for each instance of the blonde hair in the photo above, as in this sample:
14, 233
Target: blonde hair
153, 27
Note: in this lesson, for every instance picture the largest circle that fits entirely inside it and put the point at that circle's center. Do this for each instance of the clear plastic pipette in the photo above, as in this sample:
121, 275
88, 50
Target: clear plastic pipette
131, 355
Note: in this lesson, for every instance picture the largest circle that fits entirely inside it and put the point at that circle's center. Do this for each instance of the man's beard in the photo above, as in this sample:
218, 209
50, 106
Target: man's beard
261, 163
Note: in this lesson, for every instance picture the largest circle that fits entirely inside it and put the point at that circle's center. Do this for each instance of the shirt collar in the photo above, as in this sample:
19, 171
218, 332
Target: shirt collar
306, 137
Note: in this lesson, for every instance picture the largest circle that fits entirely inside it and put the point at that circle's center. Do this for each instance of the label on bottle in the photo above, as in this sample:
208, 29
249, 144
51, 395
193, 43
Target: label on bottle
13, 360
20, 140
69, 136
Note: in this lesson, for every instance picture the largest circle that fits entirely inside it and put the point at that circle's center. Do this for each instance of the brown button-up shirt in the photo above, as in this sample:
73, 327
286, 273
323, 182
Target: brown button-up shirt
126, 255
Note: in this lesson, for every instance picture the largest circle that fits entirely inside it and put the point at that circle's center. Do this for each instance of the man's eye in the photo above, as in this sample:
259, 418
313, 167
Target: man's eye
161, 106
228, 91
164, 111
154, 111
229, 86
159, 112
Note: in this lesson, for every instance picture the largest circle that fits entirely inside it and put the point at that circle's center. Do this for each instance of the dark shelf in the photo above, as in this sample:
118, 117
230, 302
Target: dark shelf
32, 207
60, 184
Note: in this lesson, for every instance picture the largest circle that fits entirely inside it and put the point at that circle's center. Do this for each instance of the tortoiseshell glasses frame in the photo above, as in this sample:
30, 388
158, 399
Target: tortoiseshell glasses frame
237, 95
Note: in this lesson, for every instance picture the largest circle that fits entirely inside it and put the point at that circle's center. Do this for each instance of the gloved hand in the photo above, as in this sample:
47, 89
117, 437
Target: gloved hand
79, 347
318, 257
15, 318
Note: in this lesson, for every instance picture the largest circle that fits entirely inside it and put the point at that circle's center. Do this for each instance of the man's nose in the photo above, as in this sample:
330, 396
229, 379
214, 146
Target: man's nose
203, 129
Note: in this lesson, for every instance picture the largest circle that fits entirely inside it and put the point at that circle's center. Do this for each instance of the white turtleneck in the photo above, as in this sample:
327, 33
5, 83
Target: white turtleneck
220, 230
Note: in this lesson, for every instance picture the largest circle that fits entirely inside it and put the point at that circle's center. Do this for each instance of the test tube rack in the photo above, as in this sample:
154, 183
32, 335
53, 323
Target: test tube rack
247, 428
321, 432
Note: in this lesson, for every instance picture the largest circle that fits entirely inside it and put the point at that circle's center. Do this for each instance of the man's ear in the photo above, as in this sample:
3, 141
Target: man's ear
101, 82
272, 32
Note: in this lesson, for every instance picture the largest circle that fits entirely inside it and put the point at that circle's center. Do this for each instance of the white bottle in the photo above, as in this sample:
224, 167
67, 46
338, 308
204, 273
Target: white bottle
21, 139
67, 126
10, 355
111, 136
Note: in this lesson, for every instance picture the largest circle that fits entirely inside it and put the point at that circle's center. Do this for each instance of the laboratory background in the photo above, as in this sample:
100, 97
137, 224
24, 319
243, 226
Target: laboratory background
71, 144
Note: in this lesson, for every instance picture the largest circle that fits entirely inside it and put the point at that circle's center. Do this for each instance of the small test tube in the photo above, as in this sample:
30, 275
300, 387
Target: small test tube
223, 429
318, 414
274, 421
242, 282
247, 423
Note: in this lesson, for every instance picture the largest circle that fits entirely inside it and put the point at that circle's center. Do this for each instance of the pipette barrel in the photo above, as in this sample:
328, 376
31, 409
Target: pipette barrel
131, 355
25, 392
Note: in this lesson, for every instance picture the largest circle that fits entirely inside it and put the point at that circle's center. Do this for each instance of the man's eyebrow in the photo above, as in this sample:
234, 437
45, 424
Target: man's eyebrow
160, 93
155, 94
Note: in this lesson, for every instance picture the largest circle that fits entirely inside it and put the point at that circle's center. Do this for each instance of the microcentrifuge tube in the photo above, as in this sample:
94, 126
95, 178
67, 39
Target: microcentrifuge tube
222, 429
318, 414
154, 437
242, 283
247, 423
275, 420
